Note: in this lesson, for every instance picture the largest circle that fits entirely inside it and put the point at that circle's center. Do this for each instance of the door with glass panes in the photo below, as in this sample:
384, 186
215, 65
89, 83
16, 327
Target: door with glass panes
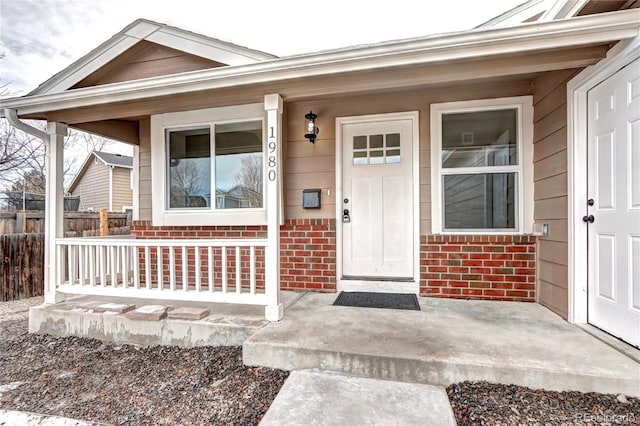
377, 200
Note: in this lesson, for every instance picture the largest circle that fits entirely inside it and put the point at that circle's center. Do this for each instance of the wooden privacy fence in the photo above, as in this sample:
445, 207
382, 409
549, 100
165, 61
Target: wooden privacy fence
76, 224
21, 266
22, 246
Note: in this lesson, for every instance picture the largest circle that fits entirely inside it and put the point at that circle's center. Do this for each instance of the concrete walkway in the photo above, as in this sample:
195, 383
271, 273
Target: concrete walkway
328, 399
447, 342
20, 418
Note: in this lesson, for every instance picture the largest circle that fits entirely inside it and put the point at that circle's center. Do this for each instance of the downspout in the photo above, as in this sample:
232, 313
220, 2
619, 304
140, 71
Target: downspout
12, 117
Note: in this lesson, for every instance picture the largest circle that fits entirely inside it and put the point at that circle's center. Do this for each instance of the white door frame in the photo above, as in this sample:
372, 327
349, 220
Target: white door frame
619, 56
381, 286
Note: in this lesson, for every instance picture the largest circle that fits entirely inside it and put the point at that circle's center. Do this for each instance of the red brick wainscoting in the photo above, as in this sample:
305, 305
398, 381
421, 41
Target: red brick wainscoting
307, 248
478, 267
308, 255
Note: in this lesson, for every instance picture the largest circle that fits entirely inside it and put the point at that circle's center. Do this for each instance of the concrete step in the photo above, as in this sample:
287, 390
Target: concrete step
145, 322
448, 341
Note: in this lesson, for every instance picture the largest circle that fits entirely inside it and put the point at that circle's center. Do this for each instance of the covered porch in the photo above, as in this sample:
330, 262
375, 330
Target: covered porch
447, 341
243, 270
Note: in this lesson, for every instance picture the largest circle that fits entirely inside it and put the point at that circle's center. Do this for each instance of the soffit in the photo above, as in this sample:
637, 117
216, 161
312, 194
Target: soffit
491, 69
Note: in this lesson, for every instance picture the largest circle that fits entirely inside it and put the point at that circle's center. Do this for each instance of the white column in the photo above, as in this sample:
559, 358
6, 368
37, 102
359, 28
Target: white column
273, 106
136, 182
54, 207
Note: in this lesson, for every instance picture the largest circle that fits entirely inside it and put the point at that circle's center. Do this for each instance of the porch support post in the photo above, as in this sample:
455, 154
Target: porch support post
54, 207
273, 106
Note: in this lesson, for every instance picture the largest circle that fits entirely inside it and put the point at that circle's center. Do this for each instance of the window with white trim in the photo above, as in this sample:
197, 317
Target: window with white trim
234, 171
208, 166
482, 166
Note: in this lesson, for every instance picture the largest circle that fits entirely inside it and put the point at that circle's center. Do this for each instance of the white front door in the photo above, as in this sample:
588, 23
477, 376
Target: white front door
613, 210
377, 215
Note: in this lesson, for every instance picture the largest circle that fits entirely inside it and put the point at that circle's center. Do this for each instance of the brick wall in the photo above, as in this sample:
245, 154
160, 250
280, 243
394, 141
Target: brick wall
307, 250
478, 267
308, 255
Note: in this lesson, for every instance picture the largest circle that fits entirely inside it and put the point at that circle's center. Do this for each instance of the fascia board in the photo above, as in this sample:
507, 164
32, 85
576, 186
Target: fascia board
563, 9
141, 29
517, 15
97, 58
206, 47
538, 36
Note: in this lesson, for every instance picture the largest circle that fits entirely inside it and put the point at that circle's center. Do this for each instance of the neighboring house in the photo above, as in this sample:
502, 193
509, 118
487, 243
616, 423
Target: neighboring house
469, 165
105, 181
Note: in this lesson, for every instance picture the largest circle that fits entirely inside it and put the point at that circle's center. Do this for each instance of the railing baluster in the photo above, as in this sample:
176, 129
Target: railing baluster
210, 267
92, 265
185, 272
160, 255
125, 266
135, 267
81, 265
70, 263
238, 270
197, 261
224, 269
59, 263
172, 268
252, 266
103, 266
147, 266
113, 259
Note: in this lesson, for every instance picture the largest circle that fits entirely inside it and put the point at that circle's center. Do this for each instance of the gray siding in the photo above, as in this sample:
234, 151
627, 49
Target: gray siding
93, 187
122, 191
550, 180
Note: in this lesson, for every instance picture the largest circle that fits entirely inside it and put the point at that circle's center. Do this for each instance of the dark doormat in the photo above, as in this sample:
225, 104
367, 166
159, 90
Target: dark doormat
361, 299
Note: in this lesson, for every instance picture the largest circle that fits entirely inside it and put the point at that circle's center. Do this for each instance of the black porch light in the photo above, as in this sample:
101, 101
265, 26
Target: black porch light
310, 127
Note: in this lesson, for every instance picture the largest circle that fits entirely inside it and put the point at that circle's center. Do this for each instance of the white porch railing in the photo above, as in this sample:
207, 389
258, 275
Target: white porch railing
225, 270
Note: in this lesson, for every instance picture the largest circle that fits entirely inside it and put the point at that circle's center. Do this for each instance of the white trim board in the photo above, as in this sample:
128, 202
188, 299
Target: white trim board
164, 35
380, 286
577, 88
161, 215
580, 31
525, 198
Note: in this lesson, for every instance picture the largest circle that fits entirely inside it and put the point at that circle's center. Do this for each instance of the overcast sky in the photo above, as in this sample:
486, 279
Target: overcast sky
41, 37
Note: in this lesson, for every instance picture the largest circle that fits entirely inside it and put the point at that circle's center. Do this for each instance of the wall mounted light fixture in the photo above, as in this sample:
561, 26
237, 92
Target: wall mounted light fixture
310, 126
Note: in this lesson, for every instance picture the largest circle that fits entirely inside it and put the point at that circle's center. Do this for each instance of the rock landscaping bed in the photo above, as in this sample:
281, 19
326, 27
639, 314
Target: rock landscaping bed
122, 384
115, 384
482, 403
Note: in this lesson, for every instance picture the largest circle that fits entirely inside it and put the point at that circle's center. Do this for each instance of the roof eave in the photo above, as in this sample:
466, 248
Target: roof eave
592, 29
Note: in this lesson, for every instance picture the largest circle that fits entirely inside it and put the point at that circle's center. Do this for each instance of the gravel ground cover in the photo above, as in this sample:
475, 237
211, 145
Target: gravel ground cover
122, 384
482, 403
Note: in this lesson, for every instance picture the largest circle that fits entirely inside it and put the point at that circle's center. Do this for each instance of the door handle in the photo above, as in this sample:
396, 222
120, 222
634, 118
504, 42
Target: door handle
589, 218
345, 216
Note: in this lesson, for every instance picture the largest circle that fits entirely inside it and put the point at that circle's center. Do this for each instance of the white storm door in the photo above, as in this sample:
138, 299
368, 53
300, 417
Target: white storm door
614, 218
377, 200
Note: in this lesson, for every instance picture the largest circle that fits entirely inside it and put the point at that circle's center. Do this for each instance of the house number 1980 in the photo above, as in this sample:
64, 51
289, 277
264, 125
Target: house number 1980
272, 174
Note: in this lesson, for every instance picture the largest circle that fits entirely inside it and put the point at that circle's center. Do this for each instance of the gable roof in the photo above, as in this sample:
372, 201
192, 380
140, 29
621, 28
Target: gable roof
591, 33
551, 10
107, 158
164, 35
116, 160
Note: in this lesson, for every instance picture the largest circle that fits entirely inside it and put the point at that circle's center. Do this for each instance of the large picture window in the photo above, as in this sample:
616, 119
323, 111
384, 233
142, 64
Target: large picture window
234, 171
481, 165
208, 166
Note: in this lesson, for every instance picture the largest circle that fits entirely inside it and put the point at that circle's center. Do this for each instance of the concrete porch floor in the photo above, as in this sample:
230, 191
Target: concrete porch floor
446, 342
